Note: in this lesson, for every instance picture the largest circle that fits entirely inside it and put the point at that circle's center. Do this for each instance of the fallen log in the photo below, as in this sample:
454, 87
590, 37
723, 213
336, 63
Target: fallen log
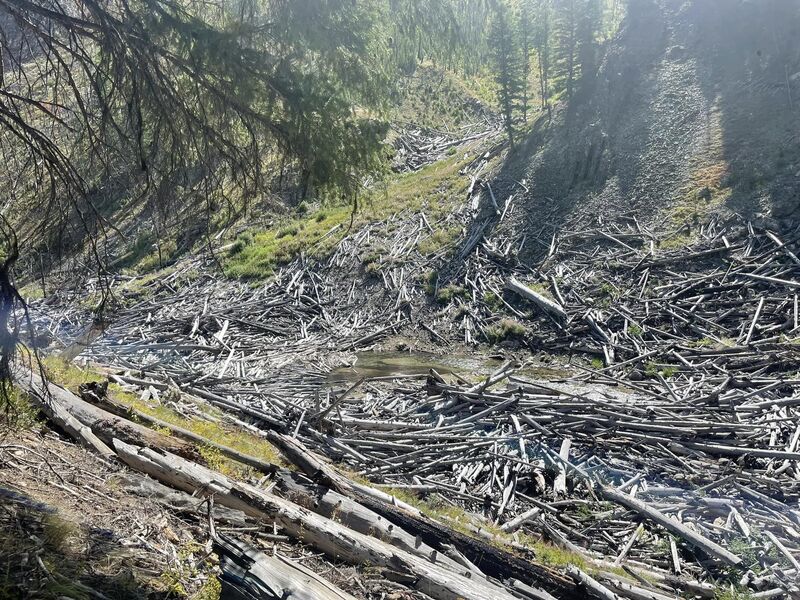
713, 549
103, 424
591, 585
248, 573
333, 505
487, 557
326, 535
121, 410
538, 299
46, 397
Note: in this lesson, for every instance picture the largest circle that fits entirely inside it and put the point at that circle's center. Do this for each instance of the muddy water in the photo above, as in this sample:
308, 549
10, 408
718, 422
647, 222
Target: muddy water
396, 364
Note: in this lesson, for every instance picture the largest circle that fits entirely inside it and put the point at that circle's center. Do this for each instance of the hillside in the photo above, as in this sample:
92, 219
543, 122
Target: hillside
565, 369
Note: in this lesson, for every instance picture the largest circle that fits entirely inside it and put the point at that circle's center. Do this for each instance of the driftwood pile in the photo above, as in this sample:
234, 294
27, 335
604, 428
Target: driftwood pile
674, 455
417, 147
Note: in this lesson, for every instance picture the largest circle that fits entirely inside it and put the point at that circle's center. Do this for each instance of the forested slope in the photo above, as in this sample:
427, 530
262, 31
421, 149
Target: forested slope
692, 111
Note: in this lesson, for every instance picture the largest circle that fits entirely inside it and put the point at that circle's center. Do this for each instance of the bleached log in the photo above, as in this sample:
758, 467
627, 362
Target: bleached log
326, 535
51, 400
591, 585
250, 573
538, 299
711, 548
560, 483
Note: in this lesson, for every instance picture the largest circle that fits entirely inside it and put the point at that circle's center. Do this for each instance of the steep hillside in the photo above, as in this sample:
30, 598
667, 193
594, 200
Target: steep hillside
694, 110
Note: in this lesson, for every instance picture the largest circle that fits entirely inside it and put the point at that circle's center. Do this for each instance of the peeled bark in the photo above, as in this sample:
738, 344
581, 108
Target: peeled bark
249, 574
326, 535
103, 424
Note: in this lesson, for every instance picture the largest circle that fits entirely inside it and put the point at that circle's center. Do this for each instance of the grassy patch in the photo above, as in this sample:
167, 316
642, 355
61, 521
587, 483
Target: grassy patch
701, 343
461, 520
433, 189
707, 190
492, 301
18, 413
676, 242
505, 329
733, 593
635, 330
439, 240
450, 292
653, 369
71, 376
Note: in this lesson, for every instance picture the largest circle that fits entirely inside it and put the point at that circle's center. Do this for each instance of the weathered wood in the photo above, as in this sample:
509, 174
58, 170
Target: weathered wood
324, 534
541, 301
490, 559
123, 411
50, 399
248, 574
711, 548
591, 585
103, 424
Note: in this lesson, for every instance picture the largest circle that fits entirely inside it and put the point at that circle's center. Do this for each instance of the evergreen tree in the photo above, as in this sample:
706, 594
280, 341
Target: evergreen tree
566, 43
526, 34
507, 63
543, 43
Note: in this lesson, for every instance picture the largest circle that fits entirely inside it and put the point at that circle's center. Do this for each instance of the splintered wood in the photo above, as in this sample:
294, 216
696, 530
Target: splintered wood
674, 455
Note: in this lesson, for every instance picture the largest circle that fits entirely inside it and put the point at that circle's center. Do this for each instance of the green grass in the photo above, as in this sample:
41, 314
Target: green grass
505, 329
733, 593
635, 330
462, 521
492, 301
439, 240
434, 190
19, 414
70, 376
653, 369
450, 292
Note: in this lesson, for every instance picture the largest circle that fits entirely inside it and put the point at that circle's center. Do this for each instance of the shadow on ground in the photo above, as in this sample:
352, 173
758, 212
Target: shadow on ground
47, 557
688, 115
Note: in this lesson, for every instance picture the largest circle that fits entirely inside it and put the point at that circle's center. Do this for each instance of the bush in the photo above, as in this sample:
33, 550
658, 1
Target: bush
243, 240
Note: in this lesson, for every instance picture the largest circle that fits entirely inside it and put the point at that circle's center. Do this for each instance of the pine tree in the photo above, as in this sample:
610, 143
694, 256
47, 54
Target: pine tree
526, 34
566, 43
507, 63
543, 43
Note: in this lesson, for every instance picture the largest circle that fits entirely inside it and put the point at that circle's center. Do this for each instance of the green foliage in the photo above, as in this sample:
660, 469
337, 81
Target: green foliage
450, 292
430, 279
243, 240
434, 188
508, 64
19, 412
635, 330
504, 330
70, 376
439, 240
653, 369
733, 593
492, 301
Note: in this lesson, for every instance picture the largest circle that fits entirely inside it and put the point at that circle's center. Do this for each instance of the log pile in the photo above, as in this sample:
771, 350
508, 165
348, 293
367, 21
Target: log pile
674, 453
417, 147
